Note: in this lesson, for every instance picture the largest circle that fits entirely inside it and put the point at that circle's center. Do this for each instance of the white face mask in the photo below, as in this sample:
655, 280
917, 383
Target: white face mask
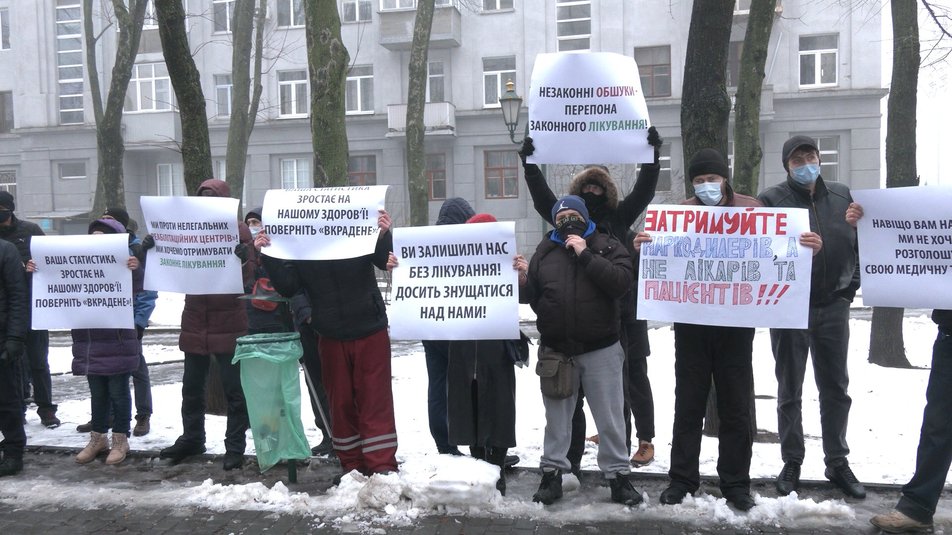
708, 193
254, 231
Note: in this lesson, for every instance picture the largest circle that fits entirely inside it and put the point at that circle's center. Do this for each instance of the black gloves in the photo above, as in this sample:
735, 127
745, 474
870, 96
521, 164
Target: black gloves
655, 140
12, 352
241, 251
148, 242
527, 149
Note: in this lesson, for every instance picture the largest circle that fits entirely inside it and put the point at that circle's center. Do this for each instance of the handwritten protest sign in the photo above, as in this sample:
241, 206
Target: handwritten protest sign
905, 247
322, 223
81, 282
455, 282
586, 108
739, 267
195, 239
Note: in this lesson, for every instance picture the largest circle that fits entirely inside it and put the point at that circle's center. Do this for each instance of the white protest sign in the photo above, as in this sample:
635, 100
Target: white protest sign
905, 247
588, 108
322, 223
737, 267
195, 239
82, 282
455, 282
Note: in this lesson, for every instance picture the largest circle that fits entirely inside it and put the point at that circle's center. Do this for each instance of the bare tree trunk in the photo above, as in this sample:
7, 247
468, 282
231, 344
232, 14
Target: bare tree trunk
247, 29
187, 83
327, 59
886, 346
416, 103
747, 151
705, 105
110, 148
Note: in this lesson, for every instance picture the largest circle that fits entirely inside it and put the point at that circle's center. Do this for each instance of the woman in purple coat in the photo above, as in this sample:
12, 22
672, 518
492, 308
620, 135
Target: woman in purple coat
107, 357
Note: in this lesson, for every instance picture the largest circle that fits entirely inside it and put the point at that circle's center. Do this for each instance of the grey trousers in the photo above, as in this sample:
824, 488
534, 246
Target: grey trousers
600, 375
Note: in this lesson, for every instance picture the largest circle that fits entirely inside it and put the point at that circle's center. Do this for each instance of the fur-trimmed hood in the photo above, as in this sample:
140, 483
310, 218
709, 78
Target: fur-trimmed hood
600, 176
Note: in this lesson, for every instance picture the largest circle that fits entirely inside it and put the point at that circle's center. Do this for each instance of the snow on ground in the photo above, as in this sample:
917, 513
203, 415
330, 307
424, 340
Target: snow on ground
883, 435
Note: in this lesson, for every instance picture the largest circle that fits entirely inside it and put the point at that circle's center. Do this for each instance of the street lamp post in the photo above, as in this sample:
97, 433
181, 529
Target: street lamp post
511, 104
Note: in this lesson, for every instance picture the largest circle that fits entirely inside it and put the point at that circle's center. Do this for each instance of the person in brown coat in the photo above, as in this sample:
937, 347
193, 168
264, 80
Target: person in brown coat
210, 326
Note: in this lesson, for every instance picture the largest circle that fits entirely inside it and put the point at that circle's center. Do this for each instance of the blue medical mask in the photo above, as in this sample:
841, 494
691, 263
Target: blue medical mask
254, 231
805, 174
708, 193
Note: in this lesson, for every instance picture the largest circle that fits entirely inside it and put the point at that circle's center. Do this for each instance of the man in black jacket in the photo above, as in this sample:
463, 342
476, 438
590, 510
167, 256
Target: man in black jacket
37, 365
14, 308
834, 281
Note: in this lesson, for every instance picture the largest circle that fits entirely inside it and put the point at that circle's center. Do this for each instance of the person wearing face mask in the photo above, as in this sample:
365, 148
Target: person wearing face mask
268, 316
833, 284
596, 187
573, 283
706, 353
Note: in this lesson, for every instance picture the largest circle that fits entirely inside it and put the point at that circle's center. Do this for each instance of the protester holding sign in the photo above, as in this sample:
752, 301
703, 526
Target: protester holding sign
834, 281
573, 283
107, 357
349, 314
211, 324
596, 186
14, 324
706, 352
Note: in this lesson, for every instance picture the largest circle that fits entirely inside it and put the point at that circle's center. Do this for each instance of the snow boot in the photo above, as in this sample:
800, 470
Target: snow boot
11, 464
119, 449
143, 425
550, 489
180, 450
497, 456
97, 444
623, 491
48, 417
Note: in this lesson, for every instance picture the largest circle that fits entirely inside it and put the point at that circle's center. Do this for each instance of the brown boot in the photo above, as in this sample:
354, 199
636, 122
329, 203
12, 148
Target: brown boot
120, 447
97, 444
645, 454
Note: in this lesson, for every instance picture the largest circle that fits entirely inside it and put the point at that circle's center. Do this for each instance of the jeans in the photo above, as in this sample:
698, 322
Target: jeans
193, 400
827, 340
437, 360
921, 494
142, 387
110, 393
38, 368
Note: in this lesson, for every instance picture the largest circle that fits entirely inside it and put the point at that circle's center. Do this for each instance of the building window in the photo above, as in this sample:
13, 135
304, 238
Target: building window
223, 94
222, 13
664, 162
8, 182
71, 170
654, 67
574, 24
734, 55
501, 174
362, 170
829, 157
356, 10
151, 21
397, 4
496, 72
69, 60
742, 7
4, 29
6, 112
149, 89
359, 91
496, 5
290, 13
436, 175
818, 60
170, 181
296, 173
292, 93
435, 79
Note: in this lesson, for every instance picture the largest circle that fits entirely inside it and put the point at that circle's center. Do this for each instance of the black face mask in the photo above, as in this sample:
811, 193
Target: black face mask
5, 215
592, 200
571, 226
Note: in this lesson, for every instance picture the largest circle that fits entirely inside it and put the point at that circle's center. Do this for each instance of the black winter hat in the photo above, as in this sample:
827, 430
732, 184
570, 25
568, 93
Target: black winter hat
119, 214
708, 162
795, 143
6, 201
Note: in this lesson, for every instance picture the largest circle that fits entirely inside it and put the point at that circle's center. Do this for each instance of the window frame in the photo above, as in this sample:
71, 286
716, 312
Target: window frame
360, 80
498, 7
647, 70
829, 170
5, 28
818, 54
7, 112
370, 171
229, 6
664, 163
135, 93
60, 165
72, 89
357, 11
295, 16
573, 37
502, 176
432, 77
293, 85
6, 184
223, 90
433, 175
300, 163
501, 79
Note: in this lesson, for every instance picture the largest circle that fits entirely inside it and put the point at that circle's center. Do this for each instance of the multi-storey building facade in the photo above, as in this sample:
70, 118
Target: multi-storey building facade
823, 79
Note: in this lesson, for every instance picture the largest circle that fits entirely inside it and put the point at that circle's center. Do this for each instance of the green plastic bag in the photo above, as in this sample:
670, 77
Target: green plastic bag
270, 380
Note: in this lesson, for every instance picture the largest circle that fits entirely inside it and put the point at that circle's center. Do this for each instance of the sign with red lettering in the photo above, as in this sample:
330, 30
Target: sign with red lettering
586, 108
736, 267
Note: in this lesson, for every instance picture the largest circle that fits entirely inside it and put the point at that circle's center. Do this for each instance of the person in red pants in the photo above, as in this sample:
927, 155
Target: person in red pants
348, 312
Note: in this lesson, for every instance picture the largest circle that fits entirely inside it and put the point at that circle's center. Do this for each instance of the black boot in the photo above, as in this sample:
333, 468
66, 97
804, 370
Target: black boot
550, 489
623, 491
478, 452
497, 456
11, 464
180, 450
